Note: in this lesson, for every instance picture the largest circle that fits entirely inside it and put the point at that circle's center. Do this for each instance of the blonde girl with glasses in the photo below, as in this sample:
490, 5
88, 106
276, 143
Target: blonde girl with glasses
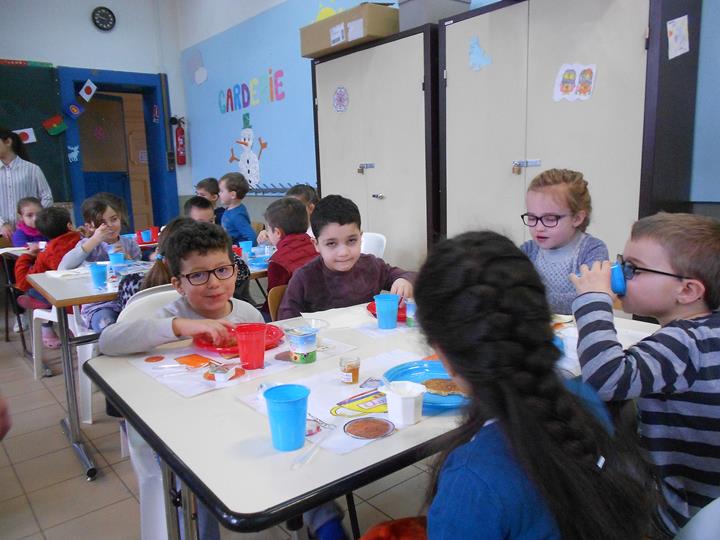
558, 213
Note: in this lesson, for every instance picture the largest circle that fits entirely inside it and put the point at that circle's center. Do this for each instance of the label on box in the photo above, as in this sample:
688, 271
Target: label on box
355, 29
337, 34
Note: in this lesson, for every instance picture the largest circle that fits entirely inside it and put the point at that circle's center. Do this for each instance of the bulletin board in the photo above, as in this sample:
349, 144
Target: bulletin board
29, 95
249, 98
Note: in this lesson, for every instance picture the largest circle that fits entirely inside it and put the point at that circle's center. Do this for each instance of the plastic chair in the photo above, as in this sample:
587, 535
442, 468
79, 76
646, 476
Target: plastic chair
275, 296
373, 244
703, 525
138, 296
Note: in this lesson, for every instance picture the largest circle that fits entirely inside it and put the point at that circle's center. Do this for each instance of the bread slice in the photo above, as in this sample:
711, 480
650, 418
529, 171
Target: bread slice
442, 387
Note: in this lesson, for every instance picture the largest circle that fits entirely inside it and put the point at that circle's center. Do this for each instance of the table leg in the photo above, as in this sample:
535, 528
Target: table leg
297, 528
354, 525
171, 517
189, 512
71, 424
262, 289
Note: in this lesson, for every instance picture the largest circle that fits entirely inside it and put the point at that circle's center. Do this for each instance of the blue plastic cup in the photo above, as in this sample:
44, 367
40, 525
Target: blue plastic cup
386, 308
287, 410
247, 248
146, 235
98, 273
117, 258
617, 280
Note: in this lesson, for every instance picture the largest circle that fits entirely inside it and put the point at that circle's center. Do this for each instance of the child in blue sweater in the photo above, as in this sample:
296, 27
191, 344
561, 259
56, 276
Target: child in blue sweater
236, 220
529, 460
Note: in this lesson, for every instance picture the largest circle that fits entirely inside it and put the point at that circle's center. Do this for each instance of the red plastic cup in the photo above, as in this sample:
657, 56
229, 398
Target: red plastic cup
155, 233
251, 344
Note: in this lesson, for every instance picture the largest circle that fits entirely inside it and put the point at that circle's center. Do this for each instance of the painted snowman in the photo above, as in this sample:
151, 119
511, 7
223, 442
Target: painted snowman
248, 161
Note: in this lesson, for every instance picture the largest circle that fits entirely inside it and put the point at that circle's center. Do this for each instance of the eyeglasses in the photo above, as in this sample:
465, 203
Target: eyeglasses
201, 278
549, 220
629, 270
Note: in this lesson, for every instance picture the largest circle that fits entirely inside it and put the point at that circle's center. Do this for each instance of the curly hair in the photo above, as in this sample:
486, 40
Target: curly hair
481, 303
159, 274
574, 187
195, 237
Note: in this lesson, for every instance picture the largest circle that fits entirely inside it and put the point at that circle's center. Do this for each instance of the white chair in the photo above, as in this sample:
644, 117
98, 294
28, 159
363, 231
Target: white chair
373, 244
162, 295
703, 525
84, 353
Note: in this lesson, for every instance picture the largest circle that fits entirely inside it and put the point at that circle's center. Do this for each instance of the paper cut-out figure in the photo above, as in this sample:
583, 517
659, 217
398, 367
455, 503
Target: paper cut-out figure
567, 86
585, 82
248, 162
73, 153
478, 57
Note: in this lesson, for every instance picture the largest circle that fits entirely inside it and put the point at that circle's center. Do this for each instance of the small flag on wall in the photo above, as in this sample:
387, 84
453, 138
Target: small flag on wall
88, 90
74, 110
54, 125
27, 135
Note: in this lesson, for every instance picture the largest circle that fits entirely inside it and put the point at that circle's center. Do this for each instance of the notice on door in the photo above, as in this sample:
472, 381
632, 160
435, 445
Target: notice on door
575, 82
677, 33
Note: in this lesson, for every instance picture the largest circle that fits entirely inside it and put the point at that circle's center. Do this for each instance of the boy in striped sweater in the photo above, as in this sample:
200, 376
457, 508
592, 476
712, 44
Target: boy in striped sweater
672, 267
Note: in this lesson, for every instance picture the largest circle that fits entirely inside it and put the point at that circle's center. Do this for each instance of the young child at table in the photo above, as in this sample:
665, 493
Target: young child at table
26, 231
558, 213
236, 220
672, 267
305, 194
210, 190
104, 222
341, 276
55, 224
530, 459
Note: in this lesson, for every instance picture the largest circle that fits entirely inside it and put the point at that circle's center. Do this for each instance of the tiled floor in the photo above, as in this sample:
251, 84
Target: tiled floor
44, 493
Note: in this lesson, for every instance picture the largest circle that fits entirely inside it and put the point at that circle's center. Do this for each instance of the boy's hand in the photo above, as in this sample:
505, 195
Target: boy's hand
217, 329
595, 279
402, 287
33, 248
263, 237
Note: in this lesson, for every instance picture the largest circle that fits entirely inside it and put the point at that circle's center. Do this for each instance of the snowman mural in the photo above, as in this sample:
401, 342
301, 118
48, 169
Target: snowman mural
248, 162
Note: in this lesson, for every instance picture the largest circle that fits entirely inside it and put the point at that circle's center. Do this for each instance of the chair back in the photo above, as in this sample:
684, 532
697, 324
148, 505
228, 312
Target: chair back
257, 226
145, 306
703, 525
275, 296
373, 244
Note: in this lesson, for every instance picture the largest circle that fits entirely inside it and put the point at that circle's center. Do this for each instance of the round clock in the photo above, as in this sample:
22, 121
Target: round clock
103, 18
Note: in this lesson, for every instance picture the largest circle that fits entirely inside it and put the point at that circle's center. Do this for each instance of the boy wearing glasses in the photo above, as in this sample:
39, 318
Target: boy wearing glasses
199, 257
672, 267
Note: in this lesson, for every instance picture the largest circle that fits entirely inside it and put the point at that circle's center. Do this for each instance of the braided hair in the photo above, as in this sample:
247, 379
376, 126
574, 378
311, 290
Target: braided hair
482, 305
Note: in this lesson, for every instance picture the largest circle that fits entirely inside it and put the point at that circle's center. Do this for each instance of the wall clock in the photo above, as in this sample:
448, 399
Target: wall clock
103, 18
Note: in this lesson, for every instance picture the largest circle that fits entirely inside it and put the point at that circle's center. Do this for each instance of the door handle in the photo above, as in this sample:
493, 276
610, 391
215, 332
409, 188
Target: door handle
378, 196
519, 164
362, 166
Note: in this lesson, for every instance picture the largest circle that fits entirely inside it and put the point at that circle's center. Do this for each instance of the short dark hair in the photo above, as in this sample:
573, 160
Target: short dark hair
118, 204
53, 221
196, 201
209, 184
27, 201
236, 182
93, 208
305, 192
289, 214
195, 237
334, 209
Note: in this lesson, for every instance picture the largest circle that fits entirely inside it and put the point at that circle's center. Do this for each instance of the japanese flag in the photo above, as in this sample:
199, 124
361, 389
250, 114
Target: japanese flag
27, 135
88, 90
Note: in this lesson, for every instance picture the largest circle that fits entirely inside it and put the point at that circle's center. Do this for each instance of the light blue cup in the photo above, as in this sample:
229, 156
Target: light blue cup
386, 307
117, 258
146, 235
98, 273
287, 409
246, 246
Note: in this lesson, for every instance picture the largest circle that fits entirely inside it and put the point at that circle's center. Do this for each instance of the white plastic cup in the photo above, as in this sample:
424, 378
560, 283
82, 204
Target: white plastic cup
404, 402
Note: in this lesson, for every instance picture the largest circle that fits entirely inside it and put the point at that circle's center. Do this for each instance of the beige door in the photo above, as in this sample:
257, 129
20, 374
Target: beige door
505, 111
383, 127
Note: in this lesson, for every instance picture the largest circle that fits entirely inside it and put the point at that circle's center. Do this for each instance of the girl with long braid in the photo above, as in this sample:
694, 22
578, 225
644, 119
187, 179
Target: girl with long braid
530, 461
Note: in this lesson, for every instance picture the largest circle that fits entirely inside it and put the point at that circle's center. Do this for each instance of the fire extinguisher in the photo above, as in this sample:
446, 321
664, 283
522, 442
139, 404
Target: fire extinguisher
180, 156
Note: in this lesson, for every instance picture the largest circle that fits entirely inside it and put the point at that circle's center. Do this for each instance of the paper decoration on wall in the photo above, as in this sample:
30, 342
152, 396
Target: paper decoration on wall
88, 90
74, 110
156, 114
478, 57
341, 99
575, 82
196, 67
54, 125
26, 135
248, 162
678, 40
73, 153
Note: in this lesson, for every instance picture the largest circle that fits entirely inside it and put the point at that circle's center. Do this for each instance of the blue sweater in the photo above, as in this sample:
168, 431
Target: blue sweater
236, 221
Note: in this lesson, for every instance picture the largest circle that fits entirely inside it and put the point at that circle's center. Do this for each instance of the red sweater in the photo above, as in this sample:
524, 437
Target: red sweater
46, 260
293, 251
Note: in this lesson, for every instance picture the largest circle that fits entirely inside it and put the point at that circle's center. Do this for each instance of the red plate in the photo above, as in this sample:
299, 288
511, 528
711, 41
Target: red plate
273, 337
401, 311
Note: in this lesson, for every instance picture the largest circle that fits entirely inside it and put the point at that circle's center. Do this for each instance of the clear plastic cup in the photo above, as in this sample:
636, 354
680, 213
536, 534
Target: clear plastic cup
404, 402
251, 344
386, 308
287, 410
98, 273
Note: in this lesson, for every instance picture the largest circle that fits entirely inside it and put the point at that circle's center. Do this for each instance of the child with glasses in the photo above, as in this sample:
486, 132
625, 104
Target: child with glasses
558, 213
672, 267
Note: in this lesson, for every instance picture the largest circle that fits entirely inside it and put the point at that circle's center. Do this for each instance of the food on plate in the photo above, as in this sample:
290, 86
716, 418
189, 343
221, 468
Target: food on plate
369, 428
223, 373
442, 387
156, 358
193, 360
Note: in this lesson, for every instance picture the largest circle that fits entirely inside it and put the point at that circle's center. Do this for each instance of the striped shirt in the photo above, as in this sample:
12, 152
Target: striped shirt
675, 376
20, 179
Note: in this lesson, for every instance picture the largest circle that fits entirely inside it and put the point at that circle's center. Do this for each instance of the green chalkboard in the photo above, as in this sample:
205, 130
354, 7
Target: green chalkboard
29, 95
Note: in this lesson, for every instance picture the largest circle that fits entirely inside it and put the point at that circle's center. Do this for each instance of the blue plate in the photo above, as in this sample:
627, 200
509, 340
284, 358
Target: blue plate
419, 372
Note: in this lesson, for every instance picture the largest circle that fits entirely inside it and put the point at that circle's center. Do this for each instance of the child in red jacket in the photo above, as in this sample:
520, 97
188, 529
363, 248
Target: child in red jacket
286, 225
54, 223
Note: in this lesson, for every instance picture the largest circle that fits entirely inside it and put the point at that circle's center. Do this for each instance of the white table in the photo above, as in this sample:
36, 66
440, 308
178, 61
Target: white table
221, 448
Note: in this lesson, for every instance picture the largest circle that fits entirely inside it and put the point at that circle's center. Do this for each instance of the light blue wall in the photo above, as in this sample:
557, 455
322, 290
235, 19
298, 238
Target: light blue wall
706, 154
